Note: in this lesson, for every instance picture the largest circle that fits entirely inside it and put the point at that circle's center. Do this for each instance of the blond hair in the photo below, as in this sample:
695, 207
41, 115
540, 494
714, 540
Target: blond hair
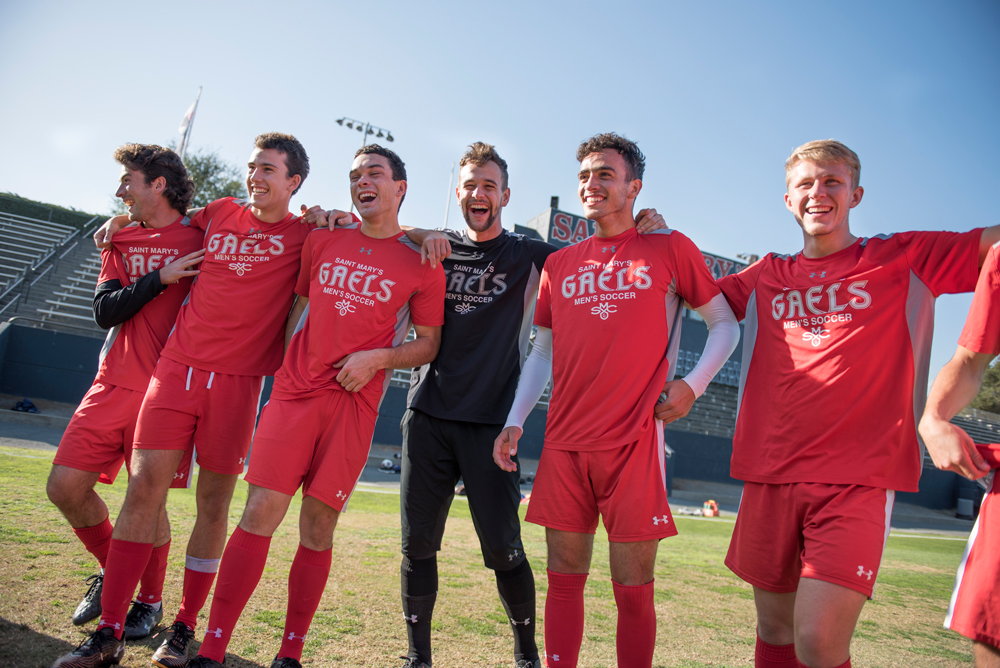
825, 151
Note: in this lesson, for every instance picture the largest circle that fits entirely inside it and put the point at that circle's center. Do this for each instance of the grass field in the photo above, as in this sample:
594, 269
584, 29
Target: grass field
705, 614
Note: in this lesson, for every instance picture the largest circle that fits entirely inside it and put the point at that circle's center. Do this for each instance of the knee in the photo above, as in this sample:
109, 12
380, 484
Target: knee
568, 562
316, 533
775, 630
816, 647
62, 491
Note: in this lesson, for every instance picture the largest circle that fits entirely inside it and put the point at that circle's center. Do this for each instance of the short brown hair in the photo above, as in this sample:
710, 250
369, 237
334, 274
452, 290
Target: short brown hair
396, 165
635, 161
479, 153
825, 151
296, 160
156, 161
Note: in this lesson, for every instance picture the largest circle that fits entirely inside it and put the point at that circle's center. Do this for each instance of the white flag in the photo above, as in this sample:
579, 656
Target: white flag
187, 118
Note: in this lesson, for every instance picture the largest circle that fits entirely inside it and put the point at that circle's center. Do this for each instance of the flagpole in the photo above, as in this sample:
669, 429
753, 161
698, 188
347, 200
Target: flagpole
186, 125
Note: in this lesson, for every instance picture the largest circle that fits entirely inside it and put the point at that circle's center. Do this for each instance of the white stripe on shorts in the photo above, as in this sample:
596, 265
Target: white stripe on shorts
960, 573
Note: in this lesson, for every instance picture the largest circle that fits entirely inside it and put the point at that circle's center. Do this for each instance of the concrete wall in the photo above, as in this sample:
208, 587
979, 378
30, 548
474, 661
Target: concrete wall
47, 365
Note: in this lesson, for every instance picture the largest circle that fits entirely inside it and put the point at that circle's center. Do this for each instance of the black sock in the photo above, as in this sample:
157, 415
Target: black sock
517, 593
418, 584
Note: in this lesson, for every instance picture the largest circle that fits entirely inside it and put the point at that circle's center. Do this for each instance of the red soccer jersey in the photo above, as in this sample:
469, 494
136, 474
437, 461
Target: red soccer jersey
363, 293
234, 320
981, 333
835, 358
613, 304
132, 348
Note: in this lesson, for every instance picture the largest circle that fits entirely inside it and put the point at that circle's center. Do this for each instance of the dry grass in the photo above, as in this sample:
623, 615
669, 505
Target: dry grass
705, 614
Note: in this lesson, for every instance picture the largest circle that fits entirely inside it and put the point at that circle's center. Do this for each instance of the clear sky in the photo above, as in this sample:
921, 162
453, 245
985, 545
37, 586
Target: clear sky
716, 93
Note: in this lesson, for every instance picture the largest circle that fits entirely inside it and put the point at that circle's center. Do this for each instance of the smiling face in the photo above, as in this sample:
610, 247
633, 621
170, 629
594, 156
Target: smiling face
139, 197
605, 189
481, 196
821, 196
268, 184
372, 188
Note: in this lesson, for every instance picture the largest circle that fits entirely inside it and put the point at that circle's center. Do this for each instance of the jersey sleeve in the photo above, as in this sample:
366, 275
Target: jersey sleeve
543, 307
981, 333
112, 267
427, 303
738, 287
695, 282
947, 262
305, 267
540, 251
200, 218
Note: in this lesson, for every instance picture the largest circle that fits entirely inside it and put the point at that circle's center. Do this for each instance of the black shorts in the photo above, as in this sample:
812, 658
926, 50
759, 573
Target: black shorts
436, 453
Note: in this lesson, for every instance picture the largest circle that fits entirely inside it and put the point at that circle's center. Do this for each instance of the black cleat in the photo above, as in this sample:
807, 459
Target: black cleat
285, 662
141, 619
100, 649
173, 653
529, 663
90, 607
204, 662
412, 662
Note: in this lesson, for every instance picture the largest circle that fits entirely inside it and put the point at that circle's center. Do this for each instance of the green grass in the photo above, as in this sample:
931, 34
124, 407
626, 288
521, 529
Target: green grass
705, 614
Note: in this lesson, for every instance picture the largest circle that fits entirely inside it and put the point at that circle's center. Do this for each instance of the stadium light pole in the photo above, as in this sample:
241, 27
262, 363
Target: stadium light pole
365, 129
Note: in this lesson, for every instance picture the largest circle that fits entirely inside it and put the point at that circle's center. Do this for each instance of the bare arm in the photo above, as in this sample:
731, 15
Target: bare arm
957, 385
102, 237
358, 368
434, 246
298, 308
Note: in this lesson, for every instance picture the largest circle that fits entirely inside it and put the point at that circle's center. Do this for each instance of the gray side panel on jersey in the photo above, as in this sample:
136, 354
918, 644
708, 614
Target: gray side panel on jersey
109, 341
665, 230
302, 321
675, 311
530, 297
749, 341
920, 321
401, 329
405, 240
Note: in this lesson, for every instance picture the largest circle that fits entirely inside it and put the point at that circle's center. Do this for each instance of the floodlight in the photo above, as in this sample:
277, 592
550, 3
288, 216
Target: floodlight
349, 124
340, 121
388, 137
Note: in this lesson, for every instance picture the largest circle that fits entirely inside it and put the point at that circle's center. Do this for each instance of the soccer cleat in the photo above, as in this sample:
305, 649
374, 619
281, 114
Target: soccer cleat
173, 653
204, 662
529, 663
411, 662
90, 607
141, 619
100, 649
285, 662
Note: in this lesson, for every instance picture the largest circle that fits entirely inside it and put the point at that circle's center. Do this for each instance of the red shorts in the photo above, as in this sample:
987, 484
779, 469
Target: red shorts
625, 485
834, 533
211, 413
319, 442
975, 603
99, 435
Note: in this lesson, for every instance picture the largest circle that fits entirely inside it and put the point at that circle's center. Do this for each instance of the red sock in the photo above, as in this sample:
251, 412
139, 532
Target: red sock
564, 619
151, 582
774, 656
242, 565
197, 584
126, 562
306, 580
636, 636
97, 539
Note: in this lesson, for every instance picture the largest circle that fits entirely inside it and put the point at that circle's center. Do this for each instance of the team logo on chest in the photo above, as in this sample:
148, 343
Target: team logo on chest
604, 310
345, 307
815, 308
464, 308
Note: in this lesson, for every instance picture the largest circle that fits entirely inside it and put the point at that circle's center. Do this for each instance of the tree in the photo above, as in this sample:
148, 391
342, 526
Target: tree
988, 398
213, 177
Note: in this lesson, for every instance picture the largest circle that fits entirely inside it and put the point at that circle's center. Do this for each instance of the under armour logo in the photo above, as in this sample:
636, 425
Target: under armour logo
217, 633
513, 555
104, 624
821, 274
604, 249
292, 636
242, 459
554, 657
178, 476
252, 230
341, 495
862, 571
411, 619
367, 251
526, 622
665, 519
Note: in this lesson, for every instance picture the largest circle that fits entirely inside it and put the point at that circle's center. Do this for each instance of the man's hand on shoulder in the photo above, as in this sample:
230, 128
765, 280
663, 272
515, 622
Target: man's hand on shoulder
434, 248
102, 237
358, 368
505, 447
951, 448
675, 401
321, 218
649, 221
181, 267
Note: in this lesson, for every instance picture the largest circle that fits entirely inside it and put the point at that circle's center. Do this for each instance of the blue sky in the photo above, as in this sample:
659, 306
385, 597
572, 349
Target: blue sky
716, 94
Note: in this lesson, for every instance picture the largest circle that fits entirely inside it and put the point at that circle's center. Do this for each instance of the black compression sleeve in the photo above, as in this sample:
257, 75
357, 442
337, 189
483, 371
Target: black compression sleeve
114, 304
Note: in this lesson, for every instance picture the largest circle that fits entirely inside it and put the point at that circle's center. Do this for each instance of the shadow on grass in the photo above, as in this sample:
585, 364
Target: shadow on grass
20, 646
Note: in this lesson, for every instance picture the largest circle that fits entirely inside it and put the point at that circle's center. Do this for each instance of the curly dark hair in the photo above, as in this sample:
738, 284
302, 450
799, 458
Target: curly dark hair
634, 159
479, 153
296, 160
156, 161
395, 164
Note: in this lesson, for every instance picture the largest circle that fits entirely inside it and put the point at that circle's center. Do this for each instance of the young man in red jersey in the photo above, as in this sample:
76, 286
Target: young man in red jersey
152, 257
608, 313
358, 291
205, 390
975, 603
836, 348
